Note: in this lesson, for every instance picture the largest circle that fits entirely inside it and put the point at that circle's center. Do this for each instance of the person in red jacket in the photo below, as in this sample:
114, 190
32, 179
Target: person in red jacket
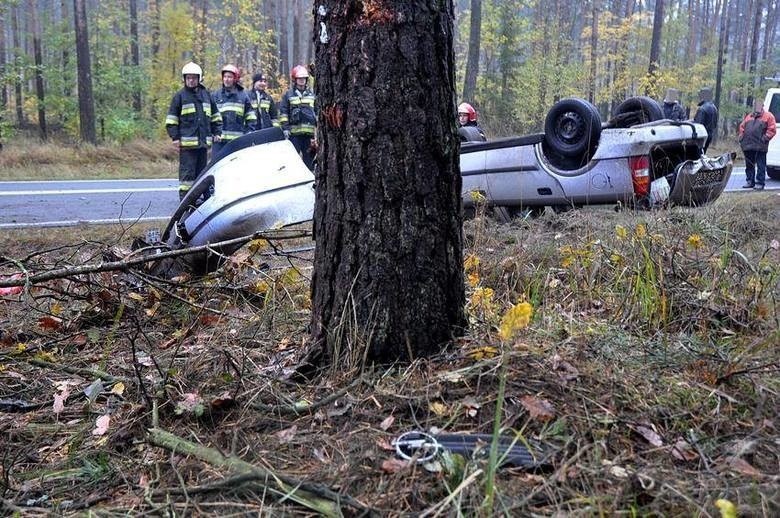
755, 132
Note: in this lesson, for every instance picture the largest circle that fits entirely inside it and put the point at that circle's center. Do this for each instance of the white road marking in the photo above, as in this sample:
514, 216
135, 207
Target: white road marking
85, 191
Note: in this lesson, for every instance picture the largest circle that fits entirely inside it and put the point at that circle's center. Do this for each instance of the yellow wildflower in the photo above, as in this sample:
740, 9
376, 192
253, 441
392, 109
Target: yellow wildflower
695, 241
482, 297
258, 245
616, 258
477, 197
727, 508
518, 317
473, 279
621, 232
471, 263
640, 231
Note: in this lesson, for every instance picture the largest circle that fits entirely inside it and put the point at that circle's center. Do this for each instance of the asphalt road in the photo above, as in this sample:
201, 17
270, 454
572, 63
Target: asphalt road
67, 203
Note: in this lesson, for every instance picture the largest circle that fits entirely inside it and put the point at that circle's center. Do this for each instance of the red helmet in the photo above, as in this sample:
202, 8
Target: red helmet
232, 69
299, 71
468, 110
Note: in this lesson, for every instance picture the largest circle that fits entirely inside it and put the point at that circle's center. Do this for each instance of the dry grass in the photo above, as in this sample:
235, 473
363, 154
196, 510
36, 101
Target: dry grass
26, 160
656, 349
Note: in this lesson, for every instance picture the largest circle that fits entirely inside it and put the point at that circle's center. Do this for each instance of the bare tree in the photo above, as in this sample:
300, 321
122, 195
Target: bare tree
39, 86
655, 44
388, 273
3, 63
17, 66
472, 63
84, 67
594, 41
135, 55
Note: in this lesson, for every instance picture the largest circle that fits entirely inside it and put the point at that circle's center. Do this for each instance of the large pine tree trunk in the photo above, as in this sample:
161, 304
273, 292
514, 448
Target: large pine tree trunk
84, 68
472, 63
388, 272
39, 87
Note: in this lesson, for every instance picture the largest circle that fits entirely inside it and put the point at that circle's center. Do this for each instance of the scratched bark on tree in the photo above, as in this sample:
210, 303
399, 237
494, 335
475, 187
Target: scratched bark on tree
388, 280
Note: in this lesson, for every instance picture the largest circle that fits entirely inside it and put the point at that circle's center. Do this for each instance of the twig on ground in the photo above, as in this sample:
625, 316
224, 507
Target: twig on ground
314, 497
304, 406
128, 264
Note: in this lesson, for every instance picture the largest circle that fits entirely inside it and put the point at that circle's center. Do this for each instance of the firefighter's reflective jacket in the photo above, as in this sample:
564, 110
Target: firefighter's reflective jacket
236, 110
265, 110
297, 112
193, 118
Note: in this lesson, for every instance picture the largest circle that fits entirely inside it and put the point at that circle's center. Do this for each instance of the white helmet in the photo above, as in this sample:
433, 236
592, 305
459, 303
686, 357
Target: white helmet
192, 68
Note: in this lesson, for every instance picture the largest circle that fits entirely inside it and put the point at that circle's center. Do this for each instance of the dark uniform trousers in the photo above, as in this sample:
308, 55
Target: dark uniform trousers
191, 163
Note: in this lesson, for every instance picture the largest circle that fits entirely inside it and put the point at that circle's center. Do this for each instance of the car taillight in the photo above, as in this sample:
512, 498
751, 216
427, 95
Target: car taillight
640, 174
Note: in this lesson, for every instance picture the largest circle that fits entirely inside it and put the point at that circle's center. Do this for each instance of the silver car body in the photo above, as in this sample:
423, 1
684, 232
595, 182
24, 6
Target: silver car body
515, 172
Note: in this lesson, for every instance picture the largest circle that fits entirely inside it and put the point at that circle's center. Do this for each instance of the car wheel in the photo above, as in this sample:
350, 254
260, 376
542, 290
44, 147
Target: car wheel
572, 128
773, 173
470, 134
636, 110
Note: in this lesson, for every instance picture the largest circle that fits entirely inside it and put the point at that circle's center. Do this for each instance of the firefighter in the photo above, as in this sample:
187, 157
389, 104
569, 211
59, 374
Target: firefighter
298, 116
238, 117
467, 116
263, 105
193, 122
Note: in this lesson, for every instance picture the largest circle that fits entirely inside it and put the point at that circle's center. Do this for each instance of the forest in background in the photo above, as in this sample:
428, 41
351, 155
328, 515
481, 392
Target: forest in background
515, 58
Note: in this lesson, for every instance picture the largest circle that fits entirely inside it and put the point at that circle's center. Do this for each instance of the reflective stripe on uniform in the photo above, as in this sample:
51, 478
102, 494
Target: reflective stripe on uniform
189, 141
238, 108
302, 129
171, 120
185, 186
216, 117
207, 109
283, 118
187, 109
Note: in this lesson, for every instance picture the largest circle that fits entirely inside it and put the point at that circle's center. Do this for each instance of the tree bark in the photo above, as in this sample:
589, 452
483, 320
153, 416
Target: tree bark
17, 71
758, 16
284, 58
594, 41
135, 56
84, 68
655, 46
388, 266
39, 86
723, 37
472, 62
3, 63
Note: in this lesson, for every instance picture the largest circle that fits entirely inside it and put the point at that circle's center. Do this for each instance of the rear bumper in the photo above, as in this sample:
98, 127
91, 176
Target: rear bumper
701, 181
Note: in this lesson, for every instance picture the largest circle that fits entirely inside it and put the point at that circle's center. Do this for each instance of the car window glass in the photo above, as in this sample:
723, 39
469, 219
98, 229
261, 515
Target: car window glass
774, 106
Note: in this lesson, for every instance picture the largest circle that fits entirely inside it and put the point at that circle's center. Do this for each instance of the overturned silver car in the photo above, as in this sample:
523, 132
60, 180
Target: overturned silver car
257, 182
629, 161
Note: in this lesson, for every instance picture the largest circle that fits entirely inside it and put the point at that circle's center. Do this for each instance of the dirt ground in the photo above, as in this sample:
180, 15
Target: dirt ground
645, 381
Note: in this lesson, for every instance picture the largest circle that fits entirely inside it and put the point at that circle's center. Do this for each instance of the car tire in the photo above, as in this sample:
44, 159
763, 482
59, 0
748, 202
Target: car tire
572, 128
773, 172
636, 110
470, 134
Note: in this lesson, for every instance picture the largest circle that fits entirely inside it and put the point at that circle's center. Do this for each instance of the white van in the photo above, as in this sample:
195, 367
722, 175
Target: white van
772, 103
